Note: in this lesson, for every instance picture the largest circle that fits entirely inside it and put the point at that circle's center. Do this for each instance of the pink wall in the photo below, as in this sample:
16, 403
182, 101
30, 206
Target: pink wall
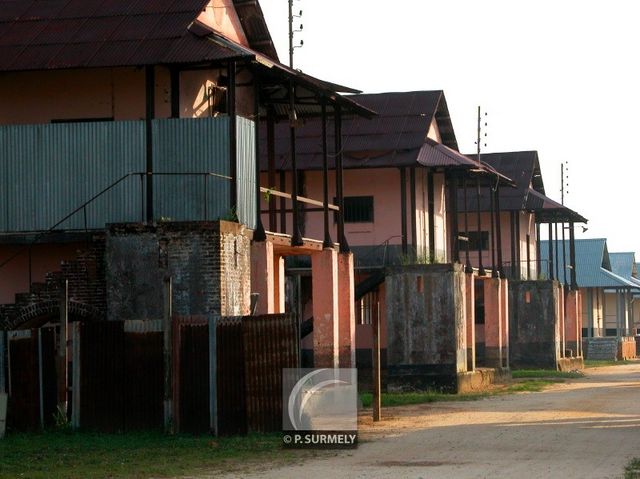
222, 17
384, 185
45, 258
527, 226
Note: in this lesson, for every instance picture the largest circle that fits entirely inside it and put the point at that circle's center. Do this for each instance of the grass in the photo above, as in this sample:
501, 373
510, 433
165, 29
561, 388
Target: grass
545, 373
408, 398
137, 455
632, 471
597, 363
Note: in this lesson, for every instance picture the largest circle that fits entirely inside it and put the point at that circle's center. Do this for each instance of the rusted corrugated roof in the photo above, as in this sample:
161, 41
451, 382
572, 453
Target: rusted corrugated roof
435, 154
393, 138
549, 211
523, 167
255, 28
58, 34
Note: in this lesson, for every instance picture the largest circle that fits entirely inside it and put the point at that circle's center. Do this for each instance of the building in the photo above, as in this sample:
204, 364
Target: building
510, 223
606, 296
400, 186
128, 145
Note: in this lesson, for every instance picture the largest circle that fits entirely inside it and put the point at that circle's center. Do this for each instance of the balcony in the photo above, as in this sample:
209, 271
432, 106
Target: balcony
48, 171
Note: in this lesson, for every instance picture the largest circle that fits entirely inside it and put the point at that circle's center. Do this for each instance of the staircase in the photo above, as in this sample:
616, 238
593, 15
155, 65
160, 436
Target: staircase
87, 292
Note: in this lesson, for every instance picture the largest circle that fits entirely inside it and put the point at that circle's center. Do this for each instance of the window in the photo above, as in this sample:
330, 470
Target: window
474, 237
367, 308
357, 209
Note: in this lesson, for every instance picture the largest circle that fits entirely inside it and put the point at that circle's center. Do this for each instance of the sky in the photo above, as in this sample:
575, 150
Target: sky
561, 77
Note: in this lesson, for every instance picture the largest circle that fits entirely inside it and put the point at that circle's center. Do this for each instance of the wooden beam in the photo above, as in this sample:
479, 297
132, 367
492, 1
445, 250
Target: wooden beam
301, 199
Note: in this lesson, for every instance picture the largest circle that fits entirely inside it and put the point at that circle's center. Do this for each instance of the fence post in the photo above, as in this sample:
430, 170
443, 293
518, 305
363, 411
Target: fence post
3, 362
377, 402
75, 381
213, 374
40, 379
3, 384
168, 356
62, 350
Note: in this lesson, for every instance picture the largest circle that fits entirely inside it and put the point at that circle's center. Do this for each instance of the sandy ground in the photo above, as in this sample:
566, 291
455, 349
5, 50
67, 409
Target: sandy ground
584, 428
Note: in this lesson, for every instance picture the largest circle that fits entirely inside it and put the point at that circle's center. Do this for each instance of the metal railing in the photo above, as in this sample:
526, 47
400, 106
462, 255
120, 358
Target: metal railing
365, 260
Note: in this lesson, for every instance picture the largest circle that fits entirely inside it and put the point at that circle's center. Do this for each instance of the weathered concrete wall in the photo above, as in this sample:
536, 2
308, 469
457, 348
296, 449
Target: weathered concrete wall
426, 326
605, 348
208, 262
495, 322
534, 324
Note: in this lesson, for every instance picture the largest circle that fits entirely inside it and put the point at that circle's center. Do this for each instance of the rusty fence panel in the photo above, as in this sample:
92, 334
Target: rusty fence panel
270, 344
143, 376
190, 374
32, 378
101, 376
231, 391
48, 375
23, 410
120, 376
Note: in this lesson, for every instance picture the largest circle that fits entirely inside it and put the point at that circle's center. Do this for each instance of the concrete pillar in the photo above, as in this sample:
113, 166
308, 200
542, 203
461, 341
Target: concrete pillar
347, 314
572, 322
324, 279
262, 276
278, 284
470, 313
504, 319
492, 322
561, 317
579, 325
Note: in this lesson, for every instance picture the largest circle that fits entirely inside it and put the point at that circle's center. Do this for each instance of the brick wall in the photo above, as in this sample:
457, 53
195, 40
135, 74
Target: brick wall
208, 262
87, 298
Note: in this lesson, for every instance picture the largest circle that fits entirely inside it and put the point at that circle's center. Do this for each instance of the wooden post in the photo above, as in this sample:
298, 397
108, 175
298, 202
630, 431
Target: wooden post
213, 375
62, 350
40, 382
3, 362
75, 381
168, 356
3, 413
376, 403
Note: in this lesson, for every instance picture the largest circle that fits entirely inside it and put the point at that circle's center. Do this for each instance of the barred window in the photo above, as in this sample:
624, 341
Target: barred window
358, 209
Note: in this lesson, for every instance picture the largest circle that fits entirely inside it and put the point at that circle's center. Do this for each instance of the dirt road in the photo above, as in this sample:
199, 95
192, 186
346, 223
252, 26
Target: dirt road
584, 428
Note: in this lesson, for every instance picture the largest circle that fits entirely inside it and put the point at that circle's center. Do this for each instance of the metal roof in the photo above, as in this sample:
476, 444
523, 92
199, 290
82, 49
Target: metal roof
550, 211
593, 264
624, 265
60, 34
395, 137
523, 167
255, 27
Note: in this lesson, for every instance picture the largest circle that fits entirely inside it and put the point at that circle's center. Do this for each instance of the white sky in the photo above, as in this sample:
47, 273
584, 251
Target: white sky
561, 77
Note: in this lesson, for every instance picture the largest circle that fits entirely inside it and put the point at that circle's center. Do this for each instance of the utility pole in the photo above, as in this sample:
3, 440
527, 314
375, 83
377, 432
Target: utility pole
292, 47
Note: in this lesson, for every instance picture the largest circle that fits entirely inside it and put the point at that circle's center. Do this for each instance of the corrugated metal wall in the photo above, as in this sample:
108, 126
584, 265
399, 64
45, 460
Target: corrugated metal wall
246, 168
192, 146
47, 171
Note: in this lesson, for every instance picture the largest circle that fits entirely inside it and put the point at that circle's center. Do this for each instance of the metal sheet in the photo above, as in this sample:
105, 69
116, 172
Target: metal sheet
191, 146
193, 406
246, 171
49, 170
271, 343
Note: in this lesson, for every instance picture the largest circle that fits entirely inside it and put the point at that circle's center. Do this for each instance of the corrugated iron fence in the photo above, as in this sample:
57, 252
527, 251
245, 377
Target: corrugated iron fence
226, 374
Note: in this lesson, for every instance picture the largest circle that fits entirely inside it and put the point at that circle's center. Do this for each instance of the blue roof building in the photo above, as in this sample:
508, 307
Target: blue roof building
608, 281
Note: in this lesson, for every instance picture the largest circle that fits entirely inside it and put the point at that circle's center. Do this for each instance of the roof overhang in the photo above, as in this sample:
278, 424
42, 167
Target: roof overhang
549, 211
